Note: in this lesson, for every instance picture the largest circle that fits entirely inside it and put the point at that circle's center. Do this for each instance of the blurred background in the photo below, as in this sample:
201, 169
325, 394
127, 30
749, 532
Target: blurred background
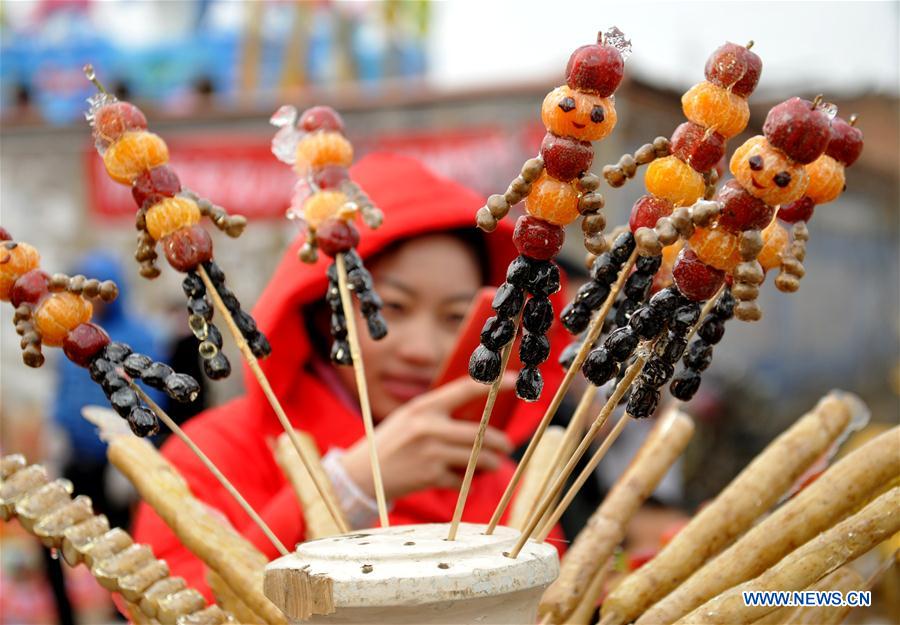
458, 85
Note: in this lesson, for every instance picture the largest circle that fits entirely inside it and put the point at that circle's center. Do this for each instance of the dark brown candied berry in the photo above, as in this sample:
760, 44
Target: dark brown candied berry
666, 301
672, 349
112, 382
592, 294
595, 68
321, 118
370, 302
359, 280
340, 353
657, 372
684, 318
846, 142
648, 264
98, 369
741, 210
245, 323
800, 210
529, 384
566, 158
544, 280
798, 129
182, 387
638, 285
155, 185
29, 288
734, 66
647, 211
213, 335
497, 332
534, 349
622, 248
484, 365
333, 297
353, 260
217, 367
201, 307
187, 248
229, 299
711, 330
724, 308
624, 311
142, 422
621, 343
155, 375
375, 322
538, 315
216, 275
116, 352
647, 322
696, 280
604, 270
698, 147
642, 401
537, 239
335, 236
84, 342
599, 367
136, 364
192, 285
575, 317
519, 271
508, 300
567, 357
123, 401
338, 326
685, 384
699, 355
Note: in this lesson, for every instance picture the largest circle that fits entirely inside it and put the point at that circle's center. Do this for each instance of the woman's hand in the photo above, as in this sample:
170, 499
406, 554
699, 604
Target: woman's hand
420, 446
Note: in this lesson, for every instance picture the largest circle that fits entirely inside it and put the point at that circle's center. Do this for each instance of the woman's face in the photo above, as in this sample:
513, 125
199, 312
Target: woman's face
427, 285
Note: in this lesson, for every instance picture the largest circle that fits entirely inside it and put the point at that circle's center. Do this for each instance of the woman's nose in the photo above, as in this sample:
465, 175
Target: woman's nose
418, 341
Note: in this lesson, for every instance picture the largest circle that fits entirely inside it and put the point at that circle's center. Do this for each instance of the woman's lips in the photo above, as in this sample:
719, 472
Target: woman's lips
405, 388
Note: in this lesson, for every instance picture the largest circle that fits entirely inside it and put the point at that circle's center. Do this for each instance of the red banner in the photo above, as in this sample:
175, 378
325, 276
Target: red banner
240, 173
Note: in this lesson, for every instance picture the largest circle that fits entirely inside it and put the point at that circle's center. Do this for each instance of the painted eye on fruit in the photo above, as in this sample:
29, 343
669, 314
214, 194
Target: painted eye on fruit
567, 104
756, 162
782, 179
597, 114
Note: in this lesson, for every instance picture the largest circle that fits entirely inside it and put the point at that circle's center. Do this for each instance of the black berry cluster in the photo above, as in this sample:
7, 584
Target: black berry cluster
359, 281
699, 353
215, 363
107, 369
525, 276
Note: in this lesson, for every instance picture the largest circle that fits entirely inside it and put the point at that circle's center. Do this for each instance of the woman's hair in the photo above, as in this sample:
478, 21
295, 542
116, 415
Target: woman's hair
317, 315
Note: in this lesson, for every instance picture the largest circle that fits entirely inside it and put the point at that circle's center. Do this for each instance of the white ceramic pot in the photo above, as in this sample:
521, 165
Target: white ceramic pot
412, 574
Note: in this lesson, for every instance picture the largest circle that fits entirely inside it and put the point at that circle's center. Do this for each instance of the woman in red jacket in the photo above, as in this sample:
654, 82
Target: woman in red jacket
427, 262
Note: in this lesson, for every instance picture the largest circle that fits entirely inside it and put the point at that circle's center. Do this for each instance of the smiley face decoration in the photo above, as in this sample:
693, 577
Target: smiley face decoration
326, 202
557, 188
56, 310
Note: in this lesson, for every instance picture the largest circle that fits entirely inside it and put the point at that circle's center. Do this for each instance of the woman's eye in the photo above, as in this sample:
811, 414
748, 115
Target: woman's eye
394, 306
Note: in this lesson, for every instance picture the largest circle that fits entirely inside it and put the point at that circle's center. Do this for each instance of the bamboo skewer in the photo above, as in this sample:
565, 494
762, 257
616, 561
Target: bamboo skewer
257, 372
160, 413
479, 437
558, 484
361, 387
593, 333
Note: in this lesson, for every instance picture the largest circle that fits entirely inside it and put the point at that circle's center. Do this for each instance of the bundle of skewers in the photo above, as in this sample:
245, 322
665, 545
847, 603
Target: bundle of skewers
693, 256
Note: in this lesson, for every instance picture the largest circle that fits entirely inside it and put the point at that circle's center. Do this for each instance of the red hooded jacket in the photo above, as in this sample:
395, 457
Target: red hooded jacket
237, 436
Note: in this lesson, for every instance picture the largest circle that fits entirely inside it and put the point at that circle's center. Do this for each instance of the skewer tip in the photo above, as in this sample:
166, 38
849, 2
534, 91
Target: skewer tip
750, 44
852, 120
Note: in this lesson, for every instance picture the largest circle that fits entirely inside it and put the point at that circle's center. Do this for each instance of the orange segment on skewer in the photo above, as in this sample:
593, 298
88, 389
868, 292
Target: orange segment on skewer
59, 314
716, 247
673, 179
134, 153
553, 201
322, 148
826, 179
716, 108
775, 238
170, 215
16, 262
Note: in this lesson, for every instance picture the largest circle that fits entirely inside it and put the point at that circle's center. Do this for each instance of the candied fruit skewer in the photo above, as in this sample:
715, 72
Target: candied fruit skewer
56, 311
169, 215
327, 202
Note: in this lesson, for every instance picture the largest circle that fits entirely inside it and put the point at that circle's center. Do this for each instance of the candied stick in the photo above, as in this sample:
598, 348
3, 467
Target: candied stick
593, 333
361, 387
479, 437
257, 372
224, 481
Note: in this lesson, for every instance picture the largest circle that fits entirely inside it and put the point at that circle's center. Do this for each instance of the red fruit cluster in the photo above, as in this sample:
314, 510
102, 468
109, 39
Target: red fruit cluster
83, 343
741, 210
799, 129
4, 234
595, 68
113, 120
321, 118
801, 210
154, 185
29, 288
846, 142
330, 177
538, 239
566, 158
697, 146
335, 236
734, 66
647, 211
695, 279
188, 247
